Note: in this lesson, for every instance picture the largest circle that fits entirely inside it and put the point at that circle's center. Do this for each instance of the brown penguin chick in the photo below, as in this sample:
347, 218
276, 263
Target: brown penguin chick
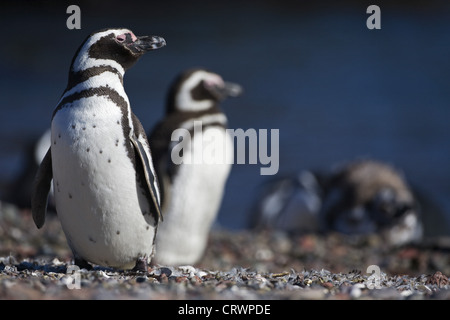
368, 196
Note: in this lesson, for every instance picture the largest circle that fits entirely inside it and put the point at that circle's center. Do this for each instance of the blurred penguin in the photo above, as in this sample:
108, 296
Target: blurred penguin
290, 203
359, 198
20, 190
367, 196
192, 191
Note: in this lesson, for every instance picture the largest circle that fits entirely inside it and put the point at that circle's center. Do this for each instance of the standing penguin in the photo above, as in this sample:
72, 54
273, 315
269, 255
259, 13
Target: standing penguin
192, 176
105, 188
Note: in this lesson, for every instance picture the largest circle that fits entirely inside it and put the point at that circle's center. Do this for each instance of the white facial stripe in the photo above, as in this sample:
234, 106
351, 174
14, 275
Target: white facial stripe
184, 101
87, 63
84, 62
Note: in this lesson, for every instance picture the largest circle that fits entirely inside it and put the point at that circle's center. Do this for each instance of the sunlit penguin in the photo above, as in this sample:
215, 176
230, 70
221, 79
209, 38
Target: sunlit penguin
368, 196
290, 204
193, 155
106, 192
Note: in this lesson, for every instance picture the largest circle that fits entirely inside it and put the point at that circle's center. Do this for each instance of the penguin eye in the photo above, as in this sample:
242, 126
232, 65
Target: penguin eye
121, 38
208, 84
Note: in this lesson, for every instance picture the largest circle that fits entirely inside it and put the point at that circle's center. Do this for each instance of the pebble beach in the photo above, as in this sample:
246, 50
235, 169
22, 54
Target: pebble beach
328, 85
238, 265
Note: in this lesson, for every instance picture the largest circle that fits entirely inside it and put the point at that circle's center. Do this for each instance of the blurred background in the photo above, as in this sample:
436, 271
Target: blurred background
336, 90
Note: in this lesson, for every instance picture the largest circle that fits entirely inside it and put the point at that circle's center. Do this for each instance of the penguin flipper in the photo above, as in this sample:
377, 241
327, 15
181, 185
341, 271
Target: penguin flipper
41, 189
150, 177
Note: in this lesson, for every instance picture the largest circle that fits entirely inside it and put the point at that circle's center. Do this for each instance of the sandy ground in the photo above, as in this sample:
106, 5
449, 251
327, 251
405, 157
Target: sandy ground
243, 265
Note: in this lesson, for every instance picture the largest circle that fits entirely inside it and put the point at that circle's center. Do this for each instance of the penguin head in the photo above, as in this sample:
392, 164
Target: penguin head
372, 197
198, 90
119, 48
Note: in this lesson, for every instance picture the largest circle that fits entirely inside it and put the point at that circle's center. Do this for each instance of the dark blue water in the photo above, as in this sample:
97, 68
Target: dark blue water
335, 90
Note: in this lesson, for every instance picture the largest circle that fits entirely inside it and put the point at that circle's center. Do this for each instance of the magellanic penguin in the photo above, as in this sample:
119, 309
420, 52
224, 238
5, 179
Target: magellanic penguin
106, 192
193, 155
368, 196
291, 204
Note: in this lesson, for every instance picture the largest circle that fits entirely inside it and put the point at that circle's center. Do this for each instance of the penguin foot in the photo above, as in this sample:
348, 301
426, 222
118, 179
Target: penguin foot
83, 264
141, 265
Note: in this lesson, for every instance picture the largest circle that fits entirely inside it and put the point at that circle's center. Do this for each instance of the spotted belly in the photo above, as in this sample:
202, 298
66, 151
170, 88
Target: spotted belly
102, 208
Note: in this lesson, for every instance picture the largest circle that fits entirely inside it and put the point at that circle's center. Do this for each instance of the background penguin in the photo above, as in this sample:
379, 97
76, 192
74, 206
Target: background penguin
19, 191
106, 193
368, 196
361, 197
192, 190
290, 203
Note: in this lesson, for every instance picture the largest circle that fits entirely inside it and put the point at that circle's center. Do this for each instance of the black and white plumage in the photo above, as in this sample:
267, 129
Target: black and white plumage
368, 196
192, 192
106, 192
359, 198
290, 203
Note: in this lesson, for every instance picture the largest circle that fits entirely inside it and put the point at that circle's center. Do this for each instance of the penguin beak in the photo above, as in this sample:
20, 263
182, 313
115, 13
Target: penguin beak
232, 89
147, 43
229, 89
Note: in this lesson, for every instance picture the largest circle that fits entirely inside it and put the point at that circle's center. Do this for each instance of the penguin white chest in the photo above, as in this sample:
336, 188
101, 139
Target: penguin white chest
204, 178
103, 210
196, 195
